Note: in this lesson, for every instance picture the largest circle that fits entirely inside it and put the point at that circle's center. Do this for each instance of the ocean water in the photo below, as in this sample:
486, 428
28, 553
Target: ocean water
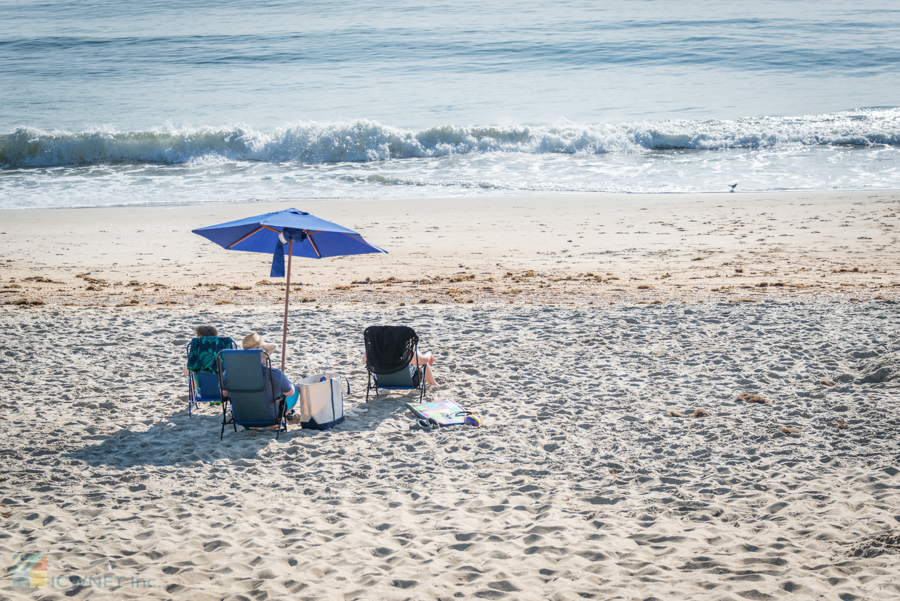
158, 102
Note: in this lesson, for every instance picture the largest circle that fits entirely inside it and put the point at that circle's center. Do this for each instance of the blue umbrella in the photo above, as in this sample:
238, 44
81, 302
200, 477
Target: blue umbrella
302, 234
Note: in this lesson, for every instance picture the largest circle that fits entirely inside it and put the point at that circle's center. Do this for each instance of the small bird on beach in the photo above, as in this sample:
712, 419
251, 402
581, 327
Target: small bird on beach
732, 186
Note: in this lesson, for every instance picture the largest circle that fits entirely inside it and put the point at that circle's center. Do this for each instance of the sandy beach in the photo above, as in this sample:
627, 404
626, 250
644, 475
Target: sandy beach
580, 248
607, 339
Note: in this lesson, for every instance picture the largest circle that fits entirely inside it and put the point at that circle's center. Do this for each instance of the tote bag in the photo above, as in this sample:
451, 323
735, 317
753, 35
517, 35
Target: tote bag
321, 401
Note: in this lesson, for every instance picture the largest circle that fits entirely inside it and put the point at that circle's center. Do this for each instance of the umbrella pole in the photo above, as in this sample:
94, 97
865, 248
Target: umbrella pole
287, 297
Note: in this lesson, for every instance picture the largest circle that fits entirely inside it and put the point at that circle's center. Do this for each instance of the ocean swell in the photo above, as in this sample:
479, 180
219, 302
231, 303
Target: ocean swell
364, 140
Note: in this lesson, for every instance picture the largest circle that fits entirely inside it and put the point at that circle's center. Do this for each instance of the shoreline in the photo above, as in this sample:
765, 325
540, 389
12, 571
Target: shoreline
521, 193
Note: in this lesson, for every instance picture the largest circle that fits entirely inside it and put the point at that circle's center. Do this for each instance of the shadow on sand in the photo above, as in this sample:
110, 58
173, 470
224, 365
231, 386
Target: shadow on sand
181, 439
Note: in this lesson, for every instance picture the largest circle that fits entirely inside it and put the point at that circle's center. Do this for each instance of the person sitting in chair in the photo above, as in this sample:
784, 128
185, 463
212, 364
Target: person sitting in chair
421, 359
202, 332
283, 385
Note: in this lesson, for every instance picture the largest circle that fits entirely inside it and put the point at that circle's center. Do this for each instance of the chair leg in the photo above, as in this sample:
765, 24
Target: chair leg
190, 392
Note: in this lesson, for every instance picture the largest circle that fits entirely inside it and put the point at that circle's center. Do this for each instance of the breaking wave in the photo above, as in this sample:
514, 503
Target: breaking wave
365, 140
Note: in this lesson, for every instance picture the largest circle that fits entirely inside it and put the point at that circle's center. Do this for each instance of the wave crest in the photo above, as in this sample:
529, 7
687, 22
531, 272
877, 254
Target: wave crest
366, 140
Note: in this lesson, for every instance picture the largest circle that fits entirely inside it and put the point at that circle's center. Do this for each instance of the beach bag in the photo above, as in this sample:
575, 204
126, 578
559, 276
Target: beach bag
320, 401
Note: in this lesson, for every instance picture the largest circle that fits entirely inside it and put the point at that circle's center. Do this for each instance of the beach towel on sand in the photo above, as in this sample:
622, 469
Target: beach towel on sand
445, 413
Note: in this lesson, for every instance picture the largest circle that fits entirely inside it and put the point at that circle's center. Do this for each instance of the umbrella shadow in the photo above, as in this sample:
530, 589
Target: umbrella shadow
179, 439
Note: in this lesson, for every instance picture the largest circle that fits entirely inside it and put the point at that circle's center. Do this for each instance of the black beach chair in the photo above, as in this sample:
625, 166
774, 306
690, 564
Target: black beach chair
203, 379
247, 403
390, 350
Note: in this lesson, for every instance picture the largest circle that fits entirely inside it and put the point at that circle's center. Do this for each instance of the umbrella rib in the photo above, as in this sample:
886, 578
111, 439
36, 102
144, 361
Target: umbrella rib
313, 244
271, 229
257, 230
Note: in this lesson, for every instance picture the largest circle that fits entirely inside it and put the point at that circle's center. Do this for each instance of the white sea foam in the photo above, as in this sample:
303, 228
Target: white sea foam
366, 141
368, 160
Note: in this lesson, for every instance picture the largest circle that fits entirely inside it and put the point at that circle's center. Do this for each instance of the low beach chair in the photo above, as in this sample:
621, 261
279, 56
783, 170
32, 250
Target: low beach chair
247, 403
389, 352
203, 379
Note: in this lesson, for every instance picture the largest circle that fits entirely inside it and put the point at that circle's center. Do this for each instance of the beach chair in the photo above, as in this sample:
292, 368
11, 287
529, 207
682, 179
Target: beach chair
247, 403
203, 380
389, 353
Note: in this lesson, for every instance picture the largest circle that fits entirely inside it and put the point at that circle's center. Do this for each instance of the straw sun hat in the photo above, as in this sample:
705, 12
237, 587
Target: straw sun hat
254, 340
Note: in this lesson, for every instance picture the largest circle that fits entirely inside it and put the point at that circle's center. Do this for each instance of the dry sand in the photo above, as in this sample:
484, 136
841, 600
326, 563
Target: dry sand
568, 249
582, 484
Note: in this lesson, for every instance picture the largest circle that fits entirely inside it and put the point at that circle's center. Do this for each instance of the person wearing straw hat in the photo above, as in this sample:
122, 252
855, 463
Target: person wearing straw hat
281, 382
254, 340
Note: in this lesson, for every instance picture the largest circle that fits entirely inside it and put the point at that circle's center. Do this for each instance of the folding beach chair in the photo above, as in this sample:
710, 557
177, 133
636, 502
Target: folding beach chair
390, 350
203, 379
247, 403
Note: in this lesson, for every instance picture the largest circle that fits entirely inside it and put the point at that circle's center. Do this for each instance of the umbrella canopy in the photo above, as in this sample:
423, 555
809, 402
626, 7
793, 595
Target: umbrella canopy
319, 238
290, 232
